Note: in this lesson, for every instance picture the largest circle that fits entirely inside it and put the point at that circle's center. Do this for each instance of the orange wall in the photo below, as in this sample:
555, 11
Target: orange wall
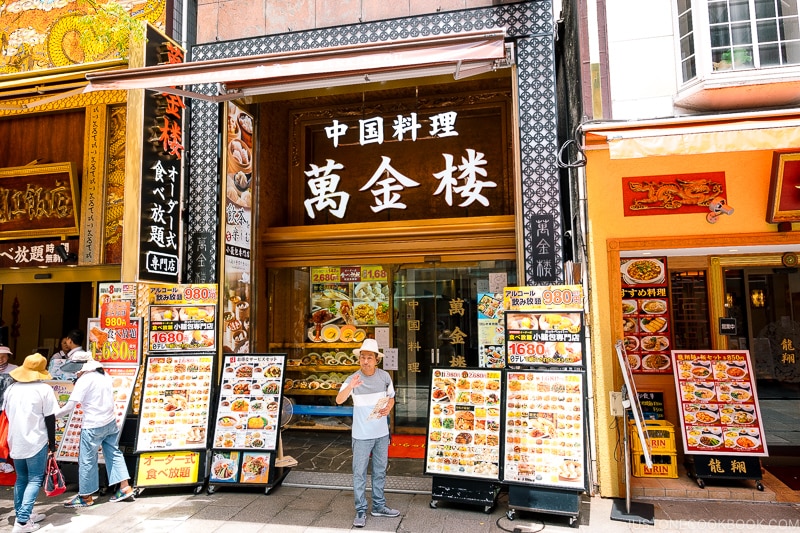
747, 178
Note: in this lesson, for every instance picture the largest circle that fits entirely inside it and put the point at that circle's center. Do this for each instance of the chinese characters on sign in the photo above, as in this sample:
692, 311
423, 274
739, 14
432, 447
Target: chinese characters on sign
38, 200
451, 161
162, 172
544, 249
544, 325
33, 253
717, 403
182, 318
167, 468
645, 314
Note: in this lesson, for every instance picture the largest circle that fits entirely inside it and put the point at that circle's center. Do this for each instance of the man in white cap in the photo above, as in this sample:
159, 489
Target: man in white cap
94, 391
373, 399
5, 355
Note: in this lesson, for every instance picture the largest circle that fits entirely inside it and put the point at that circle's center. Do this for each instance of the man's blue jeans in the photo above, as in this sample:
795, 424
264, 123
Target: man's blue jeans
379, 448
88, 474
30, 475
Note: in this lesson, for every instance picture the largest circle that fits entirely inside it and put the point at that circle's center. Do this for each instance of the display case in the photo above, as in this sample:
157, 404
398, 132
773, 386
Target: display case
314, 374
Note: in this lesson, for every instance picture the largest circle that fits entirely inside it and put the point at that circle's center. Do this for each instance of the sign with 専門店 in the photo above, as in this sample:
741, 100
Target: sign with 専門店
162, 172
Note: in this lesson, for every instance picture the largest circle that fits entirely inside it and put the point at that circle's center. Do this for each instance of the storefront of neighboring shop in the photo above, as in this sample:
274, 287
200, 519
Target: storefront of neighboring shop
695, 272
63, 173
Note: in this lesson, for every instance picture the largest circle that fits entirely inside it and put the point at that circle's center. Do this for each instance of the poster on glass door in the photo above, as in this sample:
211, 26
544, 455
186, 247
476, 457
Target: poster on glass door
491, 331
543, 431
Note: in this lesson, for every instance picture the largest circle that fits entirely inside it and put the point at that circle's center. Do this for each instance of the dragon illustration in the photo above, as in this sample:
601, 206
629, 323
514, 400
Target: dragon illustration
674, 194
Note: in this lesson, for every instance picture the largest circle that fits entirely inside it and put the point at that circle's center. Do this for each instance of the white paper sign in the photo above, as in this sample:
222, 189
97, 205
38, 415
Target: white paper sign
382, 337
390, 359
482, 285
497, 282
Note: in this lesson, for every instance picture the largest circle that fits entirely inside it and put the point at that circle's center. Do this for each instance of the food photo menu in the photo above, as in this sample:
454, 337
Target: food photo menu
464, 423
543, 430
248, 415
123, 380
718, 404
176, 401
646, 314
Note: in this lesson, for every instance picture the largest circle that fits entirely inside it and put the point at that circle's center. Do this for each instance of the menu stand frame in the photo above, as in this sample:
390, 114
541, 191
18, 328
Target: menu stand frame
276, 474
469, 491
700, 475
203, 453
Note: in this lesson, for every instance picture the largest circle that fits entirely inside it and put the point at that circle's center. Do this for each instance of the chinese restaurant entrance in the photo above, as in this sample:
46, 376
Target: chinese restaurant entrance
436, 324
766, 305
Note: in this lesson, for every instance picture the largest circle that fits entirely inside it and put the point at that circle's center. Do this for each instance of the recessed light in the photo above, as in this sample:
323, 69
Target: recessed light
733, 250
647, 253
44, 266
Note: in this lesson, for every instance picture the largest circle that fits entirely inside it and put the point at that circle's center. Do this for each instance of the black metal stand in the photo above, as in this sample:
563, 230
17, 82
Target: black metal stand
468, 491
711, 467
544, 500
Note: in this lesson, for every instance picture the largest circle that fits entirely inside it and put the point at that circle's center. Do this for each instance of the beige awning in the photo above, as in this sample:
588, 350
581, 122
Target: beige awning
686, 136
461, 55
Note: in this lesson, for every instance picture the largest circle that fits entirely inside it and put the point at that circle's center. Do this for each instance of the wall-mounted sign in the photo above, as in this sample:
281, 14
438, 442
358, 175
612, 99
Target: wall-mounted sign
784, 196
646, 321
38, 201
162, 172
34, 253
673, 194
388, 164
727, 326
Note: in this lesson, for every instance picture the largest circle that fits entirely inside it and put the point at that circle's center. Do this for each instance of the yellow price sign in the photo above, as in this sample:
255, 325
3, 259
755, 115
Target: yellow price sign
373, 273
167, 468
325, 275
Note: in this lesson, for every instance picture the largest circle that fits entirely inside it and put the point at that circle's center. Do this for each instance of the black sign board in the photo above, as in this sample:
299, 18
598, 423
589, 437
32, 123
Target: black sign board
162, 172
652, 405
727, 326
543, 249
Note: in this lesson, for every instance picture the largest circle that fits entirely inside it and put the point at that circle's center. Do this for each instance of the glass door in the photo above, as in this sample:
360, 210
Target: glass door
436, 324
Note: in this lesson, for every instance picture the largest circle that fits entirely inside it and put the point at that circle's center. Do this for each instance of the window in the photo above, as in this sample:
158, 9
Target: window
742, 34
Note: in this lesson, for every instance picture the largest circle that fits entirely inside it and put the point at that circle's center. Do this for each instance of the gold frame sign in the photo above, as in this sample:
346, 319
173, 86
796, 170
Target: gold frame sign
38, 201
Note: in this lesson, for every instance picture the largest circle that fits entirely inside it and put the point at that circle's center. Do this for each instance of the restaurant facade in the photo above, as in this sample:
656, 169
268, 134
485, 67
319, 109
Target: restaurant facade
693, 222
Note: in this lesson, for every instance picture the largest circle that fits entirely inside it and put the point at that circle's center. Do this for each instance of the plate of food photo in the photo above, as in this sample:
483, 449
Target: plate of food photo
642, 271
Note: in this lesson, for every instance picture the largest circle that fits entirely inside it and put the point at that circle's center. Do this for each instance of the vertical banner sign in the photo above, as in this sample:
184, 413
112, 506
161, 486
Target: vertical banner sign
645, 314
543, 252
162, 172
238, 230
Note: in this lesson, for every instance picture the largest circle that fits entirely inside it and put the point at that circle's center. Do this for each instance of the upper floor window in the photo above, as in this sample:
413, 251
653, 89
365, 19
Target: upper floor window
740, 34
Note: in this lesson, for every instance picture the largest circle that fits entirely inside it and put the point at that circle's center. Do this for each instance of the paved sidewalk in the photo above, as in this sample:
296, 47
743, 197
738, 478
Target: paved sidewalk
290, 509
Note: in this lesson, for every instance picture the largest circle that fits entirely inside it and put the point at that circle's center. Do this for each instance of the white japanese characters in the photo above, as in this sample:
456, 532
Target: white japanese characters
387, 183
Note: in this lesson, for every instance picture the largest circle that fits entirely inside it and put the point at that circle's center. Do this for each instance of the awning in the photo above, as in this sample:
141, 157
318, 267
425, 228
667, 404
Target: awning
629, 142
459, 54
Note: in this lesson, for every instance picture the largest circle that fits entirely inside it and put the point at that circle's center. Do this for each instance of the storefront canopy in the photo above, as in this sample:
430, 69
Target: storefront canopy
461, 55
696, 135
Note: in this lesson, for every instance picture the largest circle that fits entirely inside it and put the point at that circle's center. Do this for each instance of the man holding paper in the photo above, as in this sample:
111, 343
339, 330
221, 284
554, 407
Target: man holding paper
373, 399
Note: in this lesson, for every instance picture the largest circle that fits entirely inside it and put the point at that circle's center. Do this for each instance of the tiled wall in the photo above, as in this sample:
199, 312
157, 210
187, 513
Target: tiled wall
223, 20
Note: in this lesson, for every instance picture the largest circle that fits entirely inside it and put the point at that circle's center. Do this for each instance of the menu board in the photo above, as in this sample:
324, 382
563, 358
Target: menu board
122, 382
491, 331
248, 416
62, 389
348, 302
544, 338
115, 340
645, 314
718, 404
176, 400
464, 423
182, 318
543, 430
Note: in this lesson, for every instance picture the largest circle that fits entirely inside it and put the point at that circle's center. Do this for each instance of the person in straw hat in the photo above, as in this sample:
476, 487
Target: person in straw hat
30, 406
373, 399
94, 391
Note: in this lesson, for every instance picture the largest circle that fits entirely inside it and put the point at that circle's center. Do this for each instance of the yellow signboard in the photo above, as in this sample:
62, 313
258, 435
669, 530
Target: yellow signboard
167, 468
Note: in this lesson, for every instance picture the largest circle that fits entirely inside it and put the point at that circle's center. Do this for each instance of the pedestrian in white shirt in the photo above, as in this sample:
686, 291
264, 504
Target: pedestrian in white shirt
93, 390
